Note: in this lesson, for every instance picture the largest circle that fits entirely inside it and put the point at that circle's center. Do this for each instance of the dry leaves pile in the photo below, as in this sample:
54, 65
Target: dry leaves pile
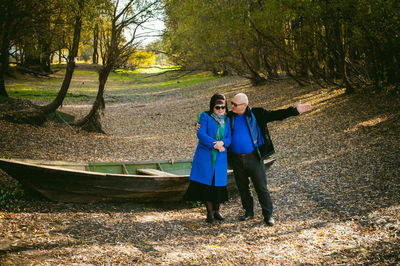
335, 185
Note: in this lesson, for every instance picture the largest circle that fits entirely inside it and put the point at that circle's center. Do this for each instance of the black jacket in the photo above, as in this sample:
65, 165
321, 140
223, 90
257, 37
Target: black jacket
263, 117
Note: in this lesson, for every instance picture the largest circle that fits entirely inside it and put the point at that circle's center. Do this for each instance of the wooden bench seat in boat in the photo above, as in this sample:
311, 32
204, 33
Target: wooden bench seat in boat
154, 172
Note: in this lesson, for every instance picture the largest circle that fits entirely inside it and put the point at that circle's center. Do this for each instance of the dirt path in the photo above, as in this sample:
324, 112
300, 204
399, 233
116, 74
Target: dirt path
335, 185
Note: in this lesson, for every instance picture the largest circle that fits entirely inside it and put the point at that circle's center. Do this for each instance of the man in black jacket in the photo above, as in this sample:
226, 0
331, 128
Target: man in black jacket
250, 145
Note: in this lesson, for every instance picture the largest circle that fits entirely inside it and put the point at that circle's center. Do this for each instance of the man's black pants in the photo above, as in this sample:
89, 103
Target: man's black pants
251, 166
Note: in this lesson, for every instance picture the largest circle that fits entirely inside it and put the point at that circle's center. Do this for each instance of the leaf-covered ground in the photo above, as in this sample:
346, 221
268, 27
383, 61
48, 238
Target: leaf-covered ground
335, 184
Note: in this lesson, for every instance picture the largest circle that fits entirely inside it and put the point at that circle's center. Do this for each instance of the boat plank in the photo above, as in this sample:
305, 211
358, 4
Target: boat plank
154, 172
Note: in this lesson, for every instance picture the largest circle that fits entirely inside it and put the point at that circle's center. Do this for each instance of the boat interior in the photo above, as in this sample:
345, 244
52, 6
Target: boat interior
162, 168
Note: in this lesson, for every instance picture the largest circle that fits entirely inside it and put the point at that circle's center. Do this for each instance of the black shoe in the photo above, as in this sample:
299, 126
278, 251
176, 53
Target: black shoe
246, 217
210, 219
269, 221
218, 216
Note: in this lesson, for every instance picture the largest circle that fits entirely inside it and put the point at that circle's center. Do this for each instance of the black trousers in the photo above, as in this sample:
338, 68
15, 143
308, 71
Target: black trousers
251, 166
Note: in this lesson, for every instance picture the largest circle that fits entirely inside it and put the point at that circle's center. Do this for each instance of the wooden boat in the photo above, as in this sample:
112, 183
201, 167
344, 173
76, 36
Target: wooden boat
146, 181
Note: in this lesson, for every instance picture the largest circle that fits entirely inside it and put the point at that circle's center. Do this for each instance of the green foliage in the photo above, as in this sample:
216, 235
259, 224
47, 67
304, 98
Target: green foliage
353, 43
11, 198
205, 39
142, 59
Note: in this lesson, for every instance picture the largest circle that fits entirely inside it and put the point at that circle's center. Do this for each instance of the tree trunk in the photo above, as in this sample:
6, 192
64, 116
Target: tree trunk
3, 91
272, 73
349, 88
45, 60
342, 54
4, 63
59, 56
32, 54
52, 107
91, 122
289, 74
95, 44
255, 78
45, 44
5, 24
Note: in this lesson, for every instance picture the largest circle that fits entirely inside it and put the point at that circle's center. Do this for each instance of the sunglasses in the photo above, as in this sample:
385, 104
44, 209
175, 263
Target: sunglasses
219, 107
236, 104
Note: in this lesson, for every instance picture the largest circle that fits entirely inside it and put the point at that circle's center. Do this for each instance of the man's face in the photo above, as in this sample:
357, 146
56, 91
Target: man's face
238, 105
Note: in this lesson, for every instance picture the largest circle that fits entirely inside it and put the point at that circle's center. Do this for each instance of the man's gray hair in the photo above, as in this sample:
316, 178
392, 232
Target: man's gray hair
243, 98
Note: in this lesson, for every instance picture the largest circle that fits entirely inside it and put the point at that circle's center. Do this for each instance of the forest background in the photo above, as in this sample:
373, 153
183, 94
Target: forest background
351, 43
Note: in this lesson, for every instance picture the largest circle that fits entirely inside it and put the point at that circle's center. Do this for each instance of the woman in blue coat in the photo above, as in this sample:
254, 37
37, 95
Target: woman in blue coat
208, 176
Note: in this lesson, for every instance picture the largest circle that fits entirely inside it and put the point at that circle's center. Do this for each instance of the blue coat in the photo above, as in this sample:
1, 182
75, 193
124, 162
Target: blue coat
202, 170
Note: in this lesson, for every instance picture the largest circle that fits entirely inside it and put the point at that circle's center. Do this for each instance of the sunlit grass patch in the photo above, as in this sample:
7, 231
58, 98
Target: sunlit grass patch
149, 83
142, 72
126, 83
44, 94
148, 70
31, 92
143, 82
156, 69
188, 81
86, 73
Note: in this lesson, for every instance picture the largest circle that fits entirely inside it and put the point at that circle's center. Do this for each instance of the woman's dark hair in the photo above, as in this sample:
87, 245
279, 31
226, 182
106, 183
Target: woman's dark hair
218, 98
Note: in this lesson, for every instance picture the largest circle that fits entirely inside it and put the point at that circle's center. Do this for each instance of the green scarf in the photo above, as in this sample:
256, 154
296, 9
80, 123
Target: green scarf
220, 134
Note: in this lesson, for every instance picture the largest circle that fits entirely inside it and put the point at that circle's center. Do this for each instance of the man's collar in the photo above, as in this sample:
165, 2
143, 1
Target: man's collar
248, 111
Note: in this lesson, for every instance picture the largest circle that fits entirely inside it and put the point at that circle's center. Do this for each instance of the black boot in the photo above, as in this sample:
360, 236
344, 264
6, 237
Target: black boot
210, 216
217, 214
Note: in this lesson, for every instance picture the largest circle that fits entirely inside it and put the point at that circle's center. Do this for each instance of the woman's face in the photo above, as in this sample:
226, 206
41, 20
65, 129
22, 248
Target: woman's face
219, 108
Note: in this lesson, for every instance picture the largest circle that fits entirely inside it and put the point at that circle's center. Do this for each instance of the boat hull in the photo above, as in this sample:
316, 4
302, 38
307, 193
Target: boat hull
60, 184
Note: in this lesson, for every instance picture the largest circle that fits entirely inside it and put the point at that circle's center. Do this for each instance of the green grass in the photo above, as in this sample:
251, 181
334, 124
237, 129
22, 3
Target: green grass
186, 82
121, 83
86, 73
42, 93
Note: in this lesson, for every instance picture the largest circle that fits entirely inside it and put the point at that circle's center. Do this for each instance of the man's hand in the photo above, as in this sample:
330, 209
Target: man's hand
197, 126
302, 108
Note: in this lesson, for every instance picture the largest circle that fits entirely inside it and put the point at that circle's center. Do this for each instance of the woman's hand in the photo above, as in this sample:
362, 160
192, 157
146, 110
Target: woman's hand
219, 145
220, 149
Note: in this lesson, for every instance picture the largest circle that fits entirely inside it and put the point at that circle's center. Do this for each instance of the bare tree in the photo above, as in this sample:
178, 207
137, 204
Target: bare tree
73, 52
123, 17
